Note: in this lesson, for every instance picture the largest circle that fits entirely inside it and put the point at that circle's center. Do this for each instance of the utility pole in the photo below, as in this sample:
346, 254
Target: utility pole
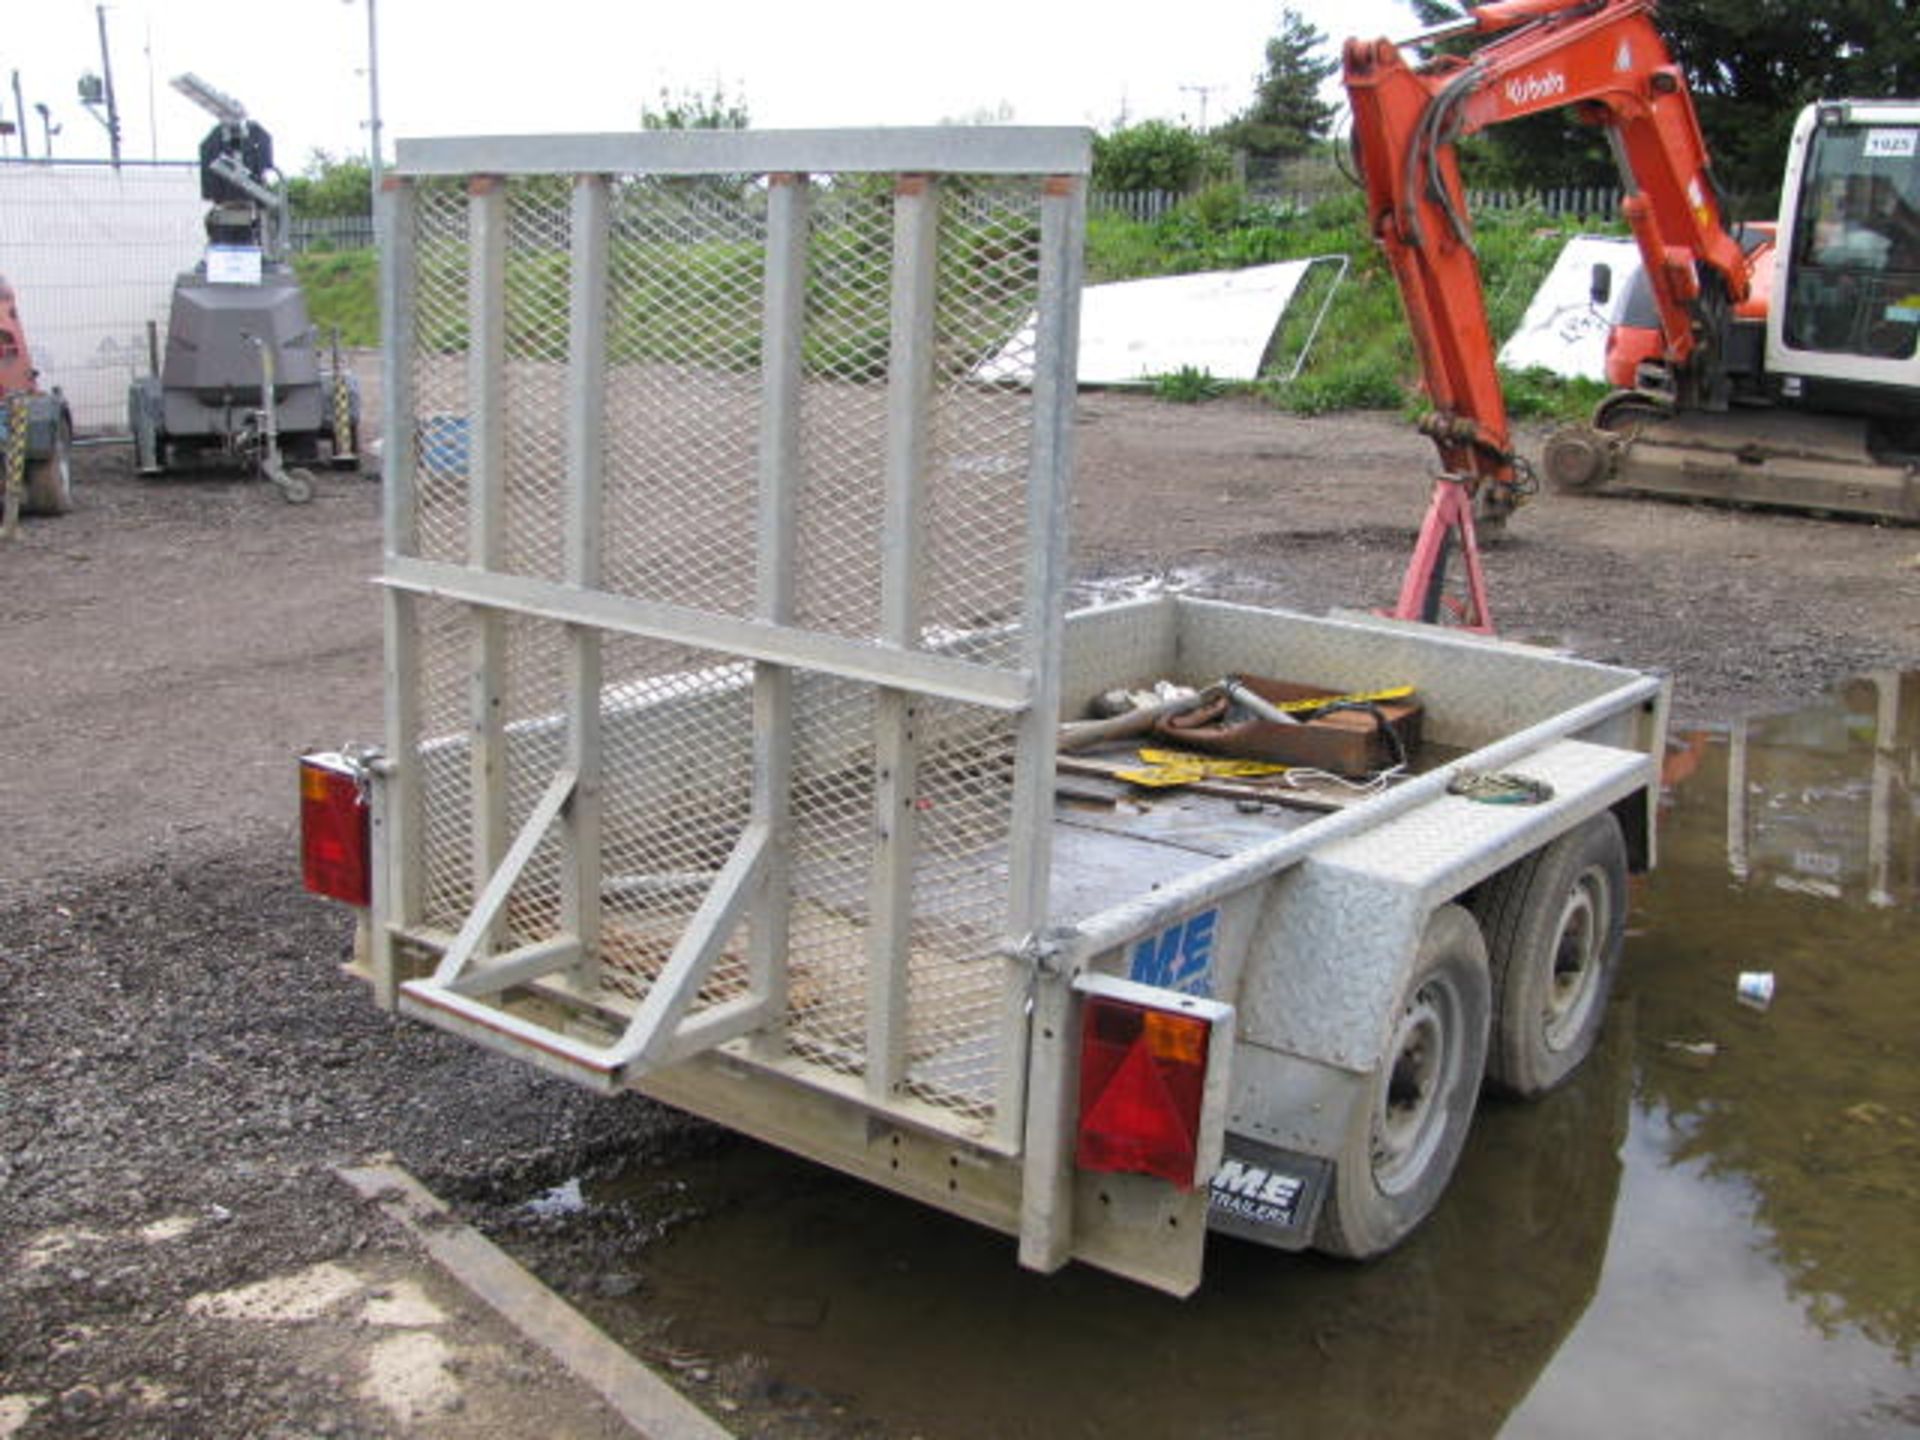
373, 92
106, 76
1203, 91
20, 109
153, 113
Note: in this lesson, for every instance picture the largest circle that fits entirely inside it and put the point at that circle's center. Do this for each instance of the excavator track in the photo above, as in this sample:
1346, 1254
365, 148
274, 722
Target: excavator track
1782, 459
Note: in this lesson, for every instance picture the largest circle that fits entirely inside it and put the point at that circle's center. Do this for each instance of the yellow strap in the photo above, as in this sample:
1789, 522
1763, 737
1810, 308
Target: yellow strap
1165, 769
1370, 697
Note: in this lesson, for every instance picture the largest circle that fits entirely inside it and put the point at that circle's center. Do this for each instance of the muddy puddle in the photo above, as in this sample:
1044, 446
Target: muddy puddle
1715, 1230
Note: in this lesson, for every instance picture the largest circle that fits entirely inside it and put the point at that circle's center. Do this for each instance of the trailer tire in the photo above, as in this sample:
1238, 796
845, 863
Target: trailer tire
296, 486
1405, 1137
50, 478
1555, 924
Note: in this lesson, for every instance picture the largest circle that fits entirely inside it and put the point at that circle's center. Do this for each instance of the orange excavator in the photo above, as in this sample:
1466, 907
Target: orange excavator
1807, 400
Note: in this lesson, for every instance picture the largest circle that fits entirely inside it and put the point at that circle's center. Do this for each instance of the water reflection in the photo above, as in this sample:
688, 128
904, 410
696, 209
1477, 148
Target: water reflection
926, 1327
1711, 1232
1815, 1104
1822, 800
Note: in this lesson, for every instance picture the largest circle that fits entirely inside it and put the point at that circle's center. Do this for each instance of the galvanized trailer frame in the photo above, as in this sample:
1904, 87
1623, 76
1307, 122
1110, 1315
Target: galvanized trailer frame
893, 661
725, 654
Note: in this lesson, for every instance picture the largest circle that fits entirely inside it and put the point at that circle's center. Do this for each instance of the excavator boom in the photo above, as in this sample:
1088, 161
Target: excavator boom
1608, 62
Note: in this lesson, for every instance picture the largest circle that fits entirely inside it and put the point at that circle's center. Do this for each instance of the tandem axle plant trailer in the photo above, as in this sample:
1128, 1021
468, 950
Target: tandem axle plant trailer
726, 659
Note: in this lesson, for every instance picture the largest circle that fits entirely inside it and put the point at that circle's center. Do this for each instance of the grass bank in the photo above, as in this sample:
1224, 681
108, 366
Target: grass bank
343, 289
1362, 358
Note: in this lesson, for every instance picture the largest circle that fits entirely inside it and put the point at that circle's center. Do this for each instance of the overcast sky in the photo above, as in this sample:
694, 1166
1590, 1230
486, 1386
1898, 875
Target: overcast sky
299, 66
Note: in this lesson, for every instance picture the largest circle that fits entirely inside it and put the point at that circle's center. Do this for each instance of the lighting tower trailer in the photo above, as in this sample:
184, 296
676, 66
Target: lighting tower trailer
243, 377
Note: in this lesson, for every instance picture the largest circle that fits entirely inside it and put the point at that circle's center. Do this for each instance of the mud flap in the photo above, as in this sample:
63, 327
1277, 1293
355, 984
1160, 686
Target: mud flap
1267, 1195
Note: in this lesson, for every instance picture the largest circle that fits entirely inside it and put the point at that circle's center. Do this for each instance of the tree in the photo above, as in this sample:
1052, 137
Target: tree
330, 187
1751, 65
1154, 155
693, 110
1288, 114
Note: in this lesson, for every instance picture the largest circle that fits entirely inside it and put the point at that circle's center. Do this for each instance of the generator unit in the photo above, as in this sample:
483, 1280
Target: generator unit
244, 378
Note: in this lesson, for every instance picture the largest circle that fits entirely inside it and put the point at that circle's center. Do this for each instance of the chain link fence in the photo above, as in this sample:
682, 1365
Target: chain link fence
1582, 202
92, 252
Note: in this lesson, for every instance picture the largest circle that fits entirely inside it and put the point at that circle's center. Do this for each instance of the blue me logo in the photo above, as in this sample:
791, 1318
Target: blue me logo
1180, 957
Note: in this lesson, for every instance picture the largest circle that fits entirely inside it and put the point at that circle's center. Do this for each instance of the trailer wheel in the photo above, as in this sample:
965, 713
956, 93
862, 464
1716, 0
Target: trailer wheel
1555, 923
1403, 1142
50, 478
296, 486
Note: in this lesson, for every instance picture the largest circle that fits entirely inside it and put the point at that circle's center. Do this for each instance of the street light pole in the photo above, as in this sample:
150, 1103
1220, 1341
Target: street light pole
106, 75
373, 90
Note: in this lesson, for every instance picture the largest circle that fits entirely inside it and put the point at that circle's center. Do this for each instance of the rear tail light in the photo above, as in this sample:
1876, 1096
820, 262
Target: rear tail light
336, 856
1143, 1080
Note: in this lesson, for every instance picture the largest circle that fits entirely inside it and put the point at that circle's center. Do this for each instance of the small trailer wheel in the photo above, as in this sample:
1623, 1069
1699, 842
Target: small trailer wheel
297, 487
50, 478
1404, 1140
1555, 925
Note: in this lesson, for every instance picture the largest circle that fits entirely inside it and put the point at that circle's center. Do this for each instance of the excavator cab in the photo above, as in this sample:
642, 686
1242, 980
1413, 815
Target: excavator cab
1846, 324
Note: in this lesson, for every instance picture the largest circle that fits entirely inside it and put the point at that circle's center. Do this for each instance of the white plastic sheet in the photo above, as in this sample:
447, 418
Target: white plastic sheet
1221, 321
1563, 330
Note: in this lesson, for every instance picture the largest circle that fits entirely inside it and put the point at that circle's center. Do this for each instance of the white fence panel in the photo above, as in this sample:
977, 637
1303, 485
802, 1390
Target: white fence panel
92, 253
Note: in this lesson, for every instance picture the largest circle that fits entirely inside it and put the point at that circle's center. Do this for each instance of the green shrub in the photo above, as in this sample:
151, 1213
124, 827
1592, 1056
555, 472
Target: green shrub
1188, 385
1542, 395
1154, 155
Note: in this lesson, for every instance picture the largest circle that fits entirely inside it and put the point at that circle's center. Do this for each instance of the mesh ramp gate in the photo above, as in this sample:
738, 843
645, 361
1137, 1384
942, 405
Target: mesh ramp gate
723, 603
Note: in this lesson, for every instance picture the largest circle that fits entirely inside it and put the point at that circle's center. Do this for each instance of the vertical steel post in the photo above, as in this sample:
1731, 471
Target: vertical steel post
1063, 216
782, 376
916, 223
486, 519
398, 835
586, 486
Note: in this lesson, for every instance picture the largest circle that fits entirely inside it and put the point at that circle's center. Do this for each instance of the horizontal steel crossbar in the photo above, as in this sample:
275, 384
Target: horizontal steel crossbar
868, 662
978, 150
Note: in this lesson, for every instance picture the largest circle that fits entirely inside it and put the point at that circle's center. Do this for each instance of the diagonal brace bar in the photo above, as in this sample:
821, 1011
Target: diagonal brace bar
649, 1034
493, 898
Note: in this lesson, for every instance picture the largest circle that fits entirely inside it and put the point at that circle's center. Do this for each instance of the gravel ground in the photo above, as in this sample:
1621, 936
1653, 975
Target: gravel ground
181, 1051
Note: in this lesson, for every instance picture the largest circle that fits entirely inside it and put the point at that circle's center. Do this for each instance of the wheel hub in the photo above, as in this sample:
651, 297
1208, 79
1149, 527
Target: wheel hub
1573, 985
1409, 1117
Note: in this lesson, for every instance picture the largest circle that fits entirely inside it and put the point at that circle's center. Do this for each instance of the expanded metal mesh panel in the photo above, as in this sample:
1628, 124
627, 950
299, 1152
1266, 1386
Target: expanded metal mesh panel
676, 735
531, 707
902, 486
437, 359
956, 975
446, 667
683, 391
831, 857
977, 521
538, 271
843, 413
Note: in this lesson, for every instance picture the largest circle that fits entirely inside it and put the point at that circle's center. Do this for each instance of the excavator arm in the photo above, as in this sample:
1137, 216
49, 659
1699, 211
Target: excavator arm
1605, 59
